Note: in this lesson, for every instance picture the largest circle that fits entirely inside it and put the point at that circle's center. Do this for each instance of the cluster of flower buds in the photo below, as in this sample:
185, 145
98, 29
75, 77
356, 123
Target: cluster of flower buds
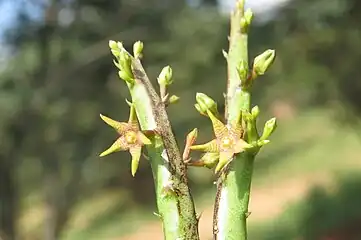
229, 139
165, 79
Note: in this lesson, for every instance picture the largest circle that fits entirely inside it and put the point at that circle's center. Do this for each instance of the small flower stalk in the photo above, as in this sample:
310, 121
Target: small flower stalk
231, 153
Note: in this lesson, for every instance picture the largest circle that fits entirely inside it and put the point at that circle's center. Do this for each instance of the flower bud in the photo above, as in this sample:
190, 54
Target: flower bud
115, 52
269, 128
113, 45
125, 63
165, 76
173, 99
120, 45
200, 110
263, 61
248, 16
123, 75
206, 103
246, 20
138, 49
242, 70
255, 112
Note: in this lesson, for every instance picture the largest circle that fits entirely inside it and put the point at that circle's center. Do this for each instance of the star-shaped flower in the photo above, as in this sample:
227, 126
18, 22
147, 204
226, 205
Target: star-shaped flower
131, 138
227, 143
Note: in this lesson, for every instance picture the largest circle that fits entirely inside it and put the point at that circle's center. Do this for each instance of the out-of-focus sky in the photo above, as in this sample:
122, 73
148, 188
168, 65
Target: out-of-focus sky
8, 8
258, 6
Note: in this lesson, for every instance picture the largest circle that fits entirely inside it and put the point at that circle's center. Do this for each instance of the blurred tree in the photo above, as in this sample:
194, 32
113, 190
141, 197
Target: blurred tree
318, 53
56, 83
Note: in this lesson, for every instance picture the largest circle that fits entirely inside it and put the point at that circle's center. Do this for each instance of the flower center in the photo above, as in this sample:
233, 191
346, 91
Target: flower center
131, 137
226, 142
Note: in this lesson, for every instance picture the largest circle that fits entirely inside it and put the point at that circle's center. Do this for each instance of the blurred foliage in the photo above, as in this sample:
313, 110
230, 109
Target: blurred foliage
325, 213
59, 76
317, 44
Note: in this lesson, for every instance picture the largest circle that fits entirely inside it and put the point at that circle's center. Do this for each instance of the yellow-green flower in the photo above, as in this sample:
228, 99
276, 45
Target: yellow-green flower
131, 138
227, 143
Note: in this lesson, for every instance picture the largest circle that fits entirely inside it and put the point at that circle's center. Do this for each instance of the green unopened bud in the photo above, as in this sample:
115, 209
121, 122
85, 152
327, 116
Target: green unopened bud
246, 116
165, 77
263, 61
113, 45
125, 63
173, 99
255, 112
115, 52
120, 45
206, 103
242, 70
246, 20
123, 75
248, 16
269, 128
240, 5
138, 49
200, 110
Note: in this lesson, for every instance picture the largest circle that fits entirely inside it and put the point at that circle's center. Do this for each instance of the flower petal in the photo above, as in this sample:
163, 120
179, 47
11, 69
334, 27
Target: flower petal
224, 159
211, 146
133, 116
135, 152
219, 128
119, 126
237, 130
144, 139
241, 145
117, 146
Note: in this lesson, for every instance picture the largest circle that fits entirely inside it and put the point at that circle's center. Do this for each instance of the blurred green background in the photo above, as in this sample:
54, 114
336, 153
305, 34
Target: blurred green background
57, 75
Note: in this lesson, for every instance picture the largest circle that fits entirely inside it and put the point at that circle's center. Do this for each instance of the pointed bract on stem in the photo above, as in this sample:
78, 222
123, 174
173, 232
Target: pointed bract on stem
190, 140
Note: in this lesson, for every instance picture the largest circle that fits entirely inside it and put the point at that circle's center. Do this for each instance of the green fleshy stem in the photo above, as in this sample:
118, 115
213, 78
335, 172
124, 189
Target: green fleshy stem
174, 201
234, 185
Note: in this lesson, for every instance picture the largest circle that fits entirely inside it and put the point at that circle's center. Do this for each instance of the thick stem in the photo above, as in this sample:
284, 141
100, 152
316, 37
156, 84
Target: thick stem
232, 198
174, 200
233, 189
